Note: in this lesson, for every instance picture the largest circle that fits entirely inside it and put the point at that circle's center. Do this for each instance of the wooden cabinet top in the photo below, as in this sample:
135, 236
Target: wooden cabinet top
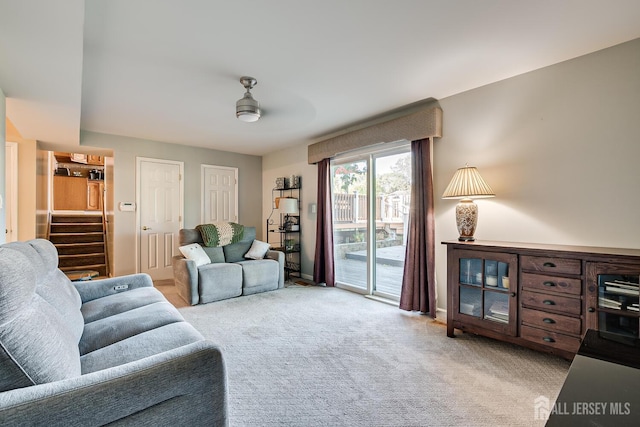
585, 252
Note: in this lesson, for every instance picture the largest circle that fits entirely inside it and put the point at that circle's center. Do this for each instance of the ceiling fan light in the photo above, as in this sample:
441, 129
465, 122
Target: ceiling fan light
247, 108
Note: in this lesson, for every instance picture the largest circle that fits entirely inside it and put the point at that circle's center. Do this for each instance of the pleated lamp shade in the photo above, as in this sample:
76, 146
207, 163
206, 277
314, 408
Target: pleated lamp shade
467, 184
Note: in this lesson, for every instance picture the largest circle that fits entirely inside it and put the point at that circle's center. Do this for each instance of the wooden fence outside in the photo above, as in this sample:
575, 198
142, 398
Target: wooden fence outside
352, 208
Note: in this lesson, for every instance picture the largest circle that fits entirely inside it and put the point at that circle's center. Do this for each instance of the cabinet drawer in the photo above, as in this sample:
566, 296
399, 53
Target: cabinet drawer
551, 321
555, 303
551, 339
551, 265
552, 283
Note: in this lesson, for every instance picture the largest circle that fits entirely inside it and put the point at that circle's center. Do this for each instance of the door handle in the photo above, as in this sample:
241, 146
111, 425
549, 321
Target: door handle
144, 227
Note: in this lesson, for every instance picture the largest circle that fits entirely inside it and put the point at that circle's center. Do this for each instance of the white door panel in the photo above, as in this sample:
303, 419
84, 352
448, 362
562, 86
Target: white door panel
160, 213
219, 194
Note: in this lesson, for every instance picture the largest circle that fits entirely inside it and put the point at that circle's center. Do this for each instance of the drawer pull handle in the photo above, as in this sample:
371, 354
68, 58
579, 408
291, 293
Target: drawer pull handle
549, 283
549, 264
513, 294
548, 302
591, 309
548, 339
547, 320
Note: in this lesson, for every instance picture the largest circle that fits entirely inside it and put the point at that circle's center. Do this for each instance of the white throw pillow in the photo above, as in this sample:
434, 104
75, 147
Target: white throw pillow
195, 252
258, 250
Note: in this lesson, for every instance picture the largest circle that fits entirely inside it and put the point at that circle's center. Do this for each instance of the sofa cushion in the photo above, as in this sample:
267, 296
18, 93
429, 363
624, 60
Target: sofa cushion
112, 329
216, 254
234, 252
145, 344
119, 303
259, 276
219, 281
52, 284
36, 344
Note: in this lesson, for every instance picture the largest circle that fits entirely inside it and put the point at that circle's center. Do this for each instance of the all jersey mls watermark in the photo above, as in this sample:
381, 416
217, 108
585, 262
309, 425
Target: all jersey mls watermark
542, 408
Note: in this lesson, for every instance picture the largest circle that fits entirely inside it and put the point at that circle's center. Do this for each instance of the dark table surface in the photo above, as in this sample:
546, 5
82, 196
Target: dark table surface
602, 387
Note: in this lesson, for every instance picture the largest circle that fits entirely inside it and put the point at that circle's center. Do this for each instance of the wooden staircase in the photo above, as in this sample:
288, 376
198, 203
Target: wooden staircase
80, 240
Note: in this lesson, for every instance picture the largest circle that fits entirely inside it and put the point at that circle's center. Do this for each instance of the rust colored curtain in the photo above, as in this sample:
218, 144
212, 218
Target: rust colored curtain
418, 282
323, 271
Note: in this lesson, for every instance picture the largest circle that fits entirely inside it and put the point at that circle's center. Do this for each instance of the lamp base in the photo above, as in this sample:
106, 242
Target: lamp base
466, 219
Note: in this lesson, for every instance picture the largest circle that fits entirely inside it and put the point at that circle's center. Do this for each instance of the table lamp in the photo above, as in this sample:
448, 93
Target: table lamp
288, 206
465, 185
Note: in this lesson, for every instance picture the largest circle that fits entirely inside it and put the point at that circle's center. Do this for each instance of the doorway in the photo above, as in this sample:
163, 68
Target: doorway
371, 197
160, 201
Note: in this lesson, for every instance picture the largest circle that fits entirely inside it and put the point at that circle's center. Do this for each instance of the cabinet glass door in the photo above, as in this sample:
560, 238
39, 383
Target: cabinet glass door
484, 286
618, 310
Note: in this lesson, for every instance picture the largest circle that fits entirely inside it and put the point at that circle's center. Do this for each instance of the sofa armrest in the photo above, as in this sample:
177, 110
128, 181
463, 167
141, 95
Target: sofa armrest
185, 278
94, 289
278, 256
183, 386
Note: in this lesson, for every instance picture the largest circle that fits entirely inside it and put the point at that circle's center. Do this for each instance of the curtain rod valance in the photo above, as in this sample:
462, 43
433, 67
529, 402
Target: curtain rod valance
420, 125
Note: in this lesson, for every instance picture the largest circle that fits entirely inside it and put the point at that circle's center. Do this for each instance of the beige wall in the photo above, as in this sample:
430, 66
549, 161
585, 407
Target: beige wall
284, 163
26, 181
125, 150
3, 114
558, 145
44, 180
27, 189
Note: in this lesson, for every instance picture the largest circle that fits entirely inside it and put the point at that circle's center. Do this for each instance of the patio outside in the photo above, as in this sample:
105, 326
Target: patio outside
390, 208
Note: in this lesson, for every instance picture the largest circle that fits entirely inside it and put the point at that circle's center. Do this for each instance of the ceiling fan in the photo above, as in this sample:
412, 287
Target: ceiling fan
247, 108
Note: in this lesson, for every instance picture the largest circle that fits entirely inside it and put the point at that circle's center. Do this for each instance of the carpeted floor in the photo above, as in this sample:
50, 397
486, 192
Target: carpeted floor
315, 356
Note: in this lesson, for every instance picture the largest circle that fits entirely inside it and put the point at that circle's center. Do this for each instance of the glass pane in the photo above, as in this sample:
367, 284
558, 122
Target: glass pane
392, 203
471, 301
618, 292
471, 271
617, 324
503, 275
496, 307
491, 273
349, 186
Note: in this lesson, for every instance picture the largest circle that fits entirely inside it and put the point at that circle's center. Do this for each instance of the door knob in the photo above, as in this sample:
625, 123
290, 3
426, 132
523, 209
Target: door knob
144, 227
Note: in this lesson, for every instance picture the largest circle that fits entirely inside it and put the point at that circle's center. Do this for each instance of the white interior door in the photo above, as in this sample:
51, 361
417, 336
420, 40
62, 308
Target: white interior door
11, 191
160, 197
219, 194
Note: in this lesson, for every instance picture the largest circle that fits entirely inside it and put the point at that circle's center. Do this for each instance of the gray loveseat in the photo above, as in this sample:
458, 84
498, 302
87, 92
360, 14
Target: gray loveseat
229, 274
110, 351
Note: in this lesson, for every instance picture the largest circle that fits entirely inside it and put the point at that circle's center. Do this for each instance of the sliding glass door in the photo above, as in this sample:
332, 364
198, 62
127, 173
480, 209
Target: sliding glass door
371, 193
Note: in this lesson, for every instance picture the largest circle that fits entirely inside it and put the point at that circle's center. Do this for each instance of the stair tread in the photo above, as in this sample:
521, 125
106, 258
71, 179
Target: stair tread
85, 232
75, 244
92, 254
81, 267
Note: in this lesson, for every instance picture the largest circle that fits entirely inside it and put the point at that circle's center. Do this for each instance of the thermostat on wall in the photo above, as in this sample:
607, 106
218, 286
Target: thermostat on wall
127, 206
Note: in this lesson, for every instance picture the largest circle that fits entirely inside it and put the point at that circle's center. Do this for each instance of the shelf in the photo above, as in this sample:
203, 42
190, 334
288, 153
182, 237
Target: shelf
282, 238
619, 311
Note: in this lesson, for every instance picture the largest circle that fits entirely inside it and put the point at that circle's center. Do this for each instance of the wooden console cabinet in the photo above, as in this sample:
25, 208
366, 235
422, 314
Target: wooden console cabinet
543, 297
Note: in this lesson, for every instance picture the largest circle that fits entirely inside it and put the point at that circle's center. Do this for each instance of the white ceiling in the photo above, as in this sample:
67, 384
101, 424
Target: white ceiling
169, 70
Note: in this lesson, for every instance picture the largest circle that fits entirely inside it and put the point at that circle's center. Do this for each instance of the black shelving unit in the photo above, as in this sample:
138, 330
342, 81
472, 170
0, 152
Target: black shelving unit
283, 231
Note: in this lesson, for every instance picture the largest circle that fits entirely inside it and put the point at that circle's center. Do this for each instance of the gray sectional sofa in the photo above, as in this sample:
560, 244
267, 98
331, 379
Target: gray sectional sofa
229, 274
91, 353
